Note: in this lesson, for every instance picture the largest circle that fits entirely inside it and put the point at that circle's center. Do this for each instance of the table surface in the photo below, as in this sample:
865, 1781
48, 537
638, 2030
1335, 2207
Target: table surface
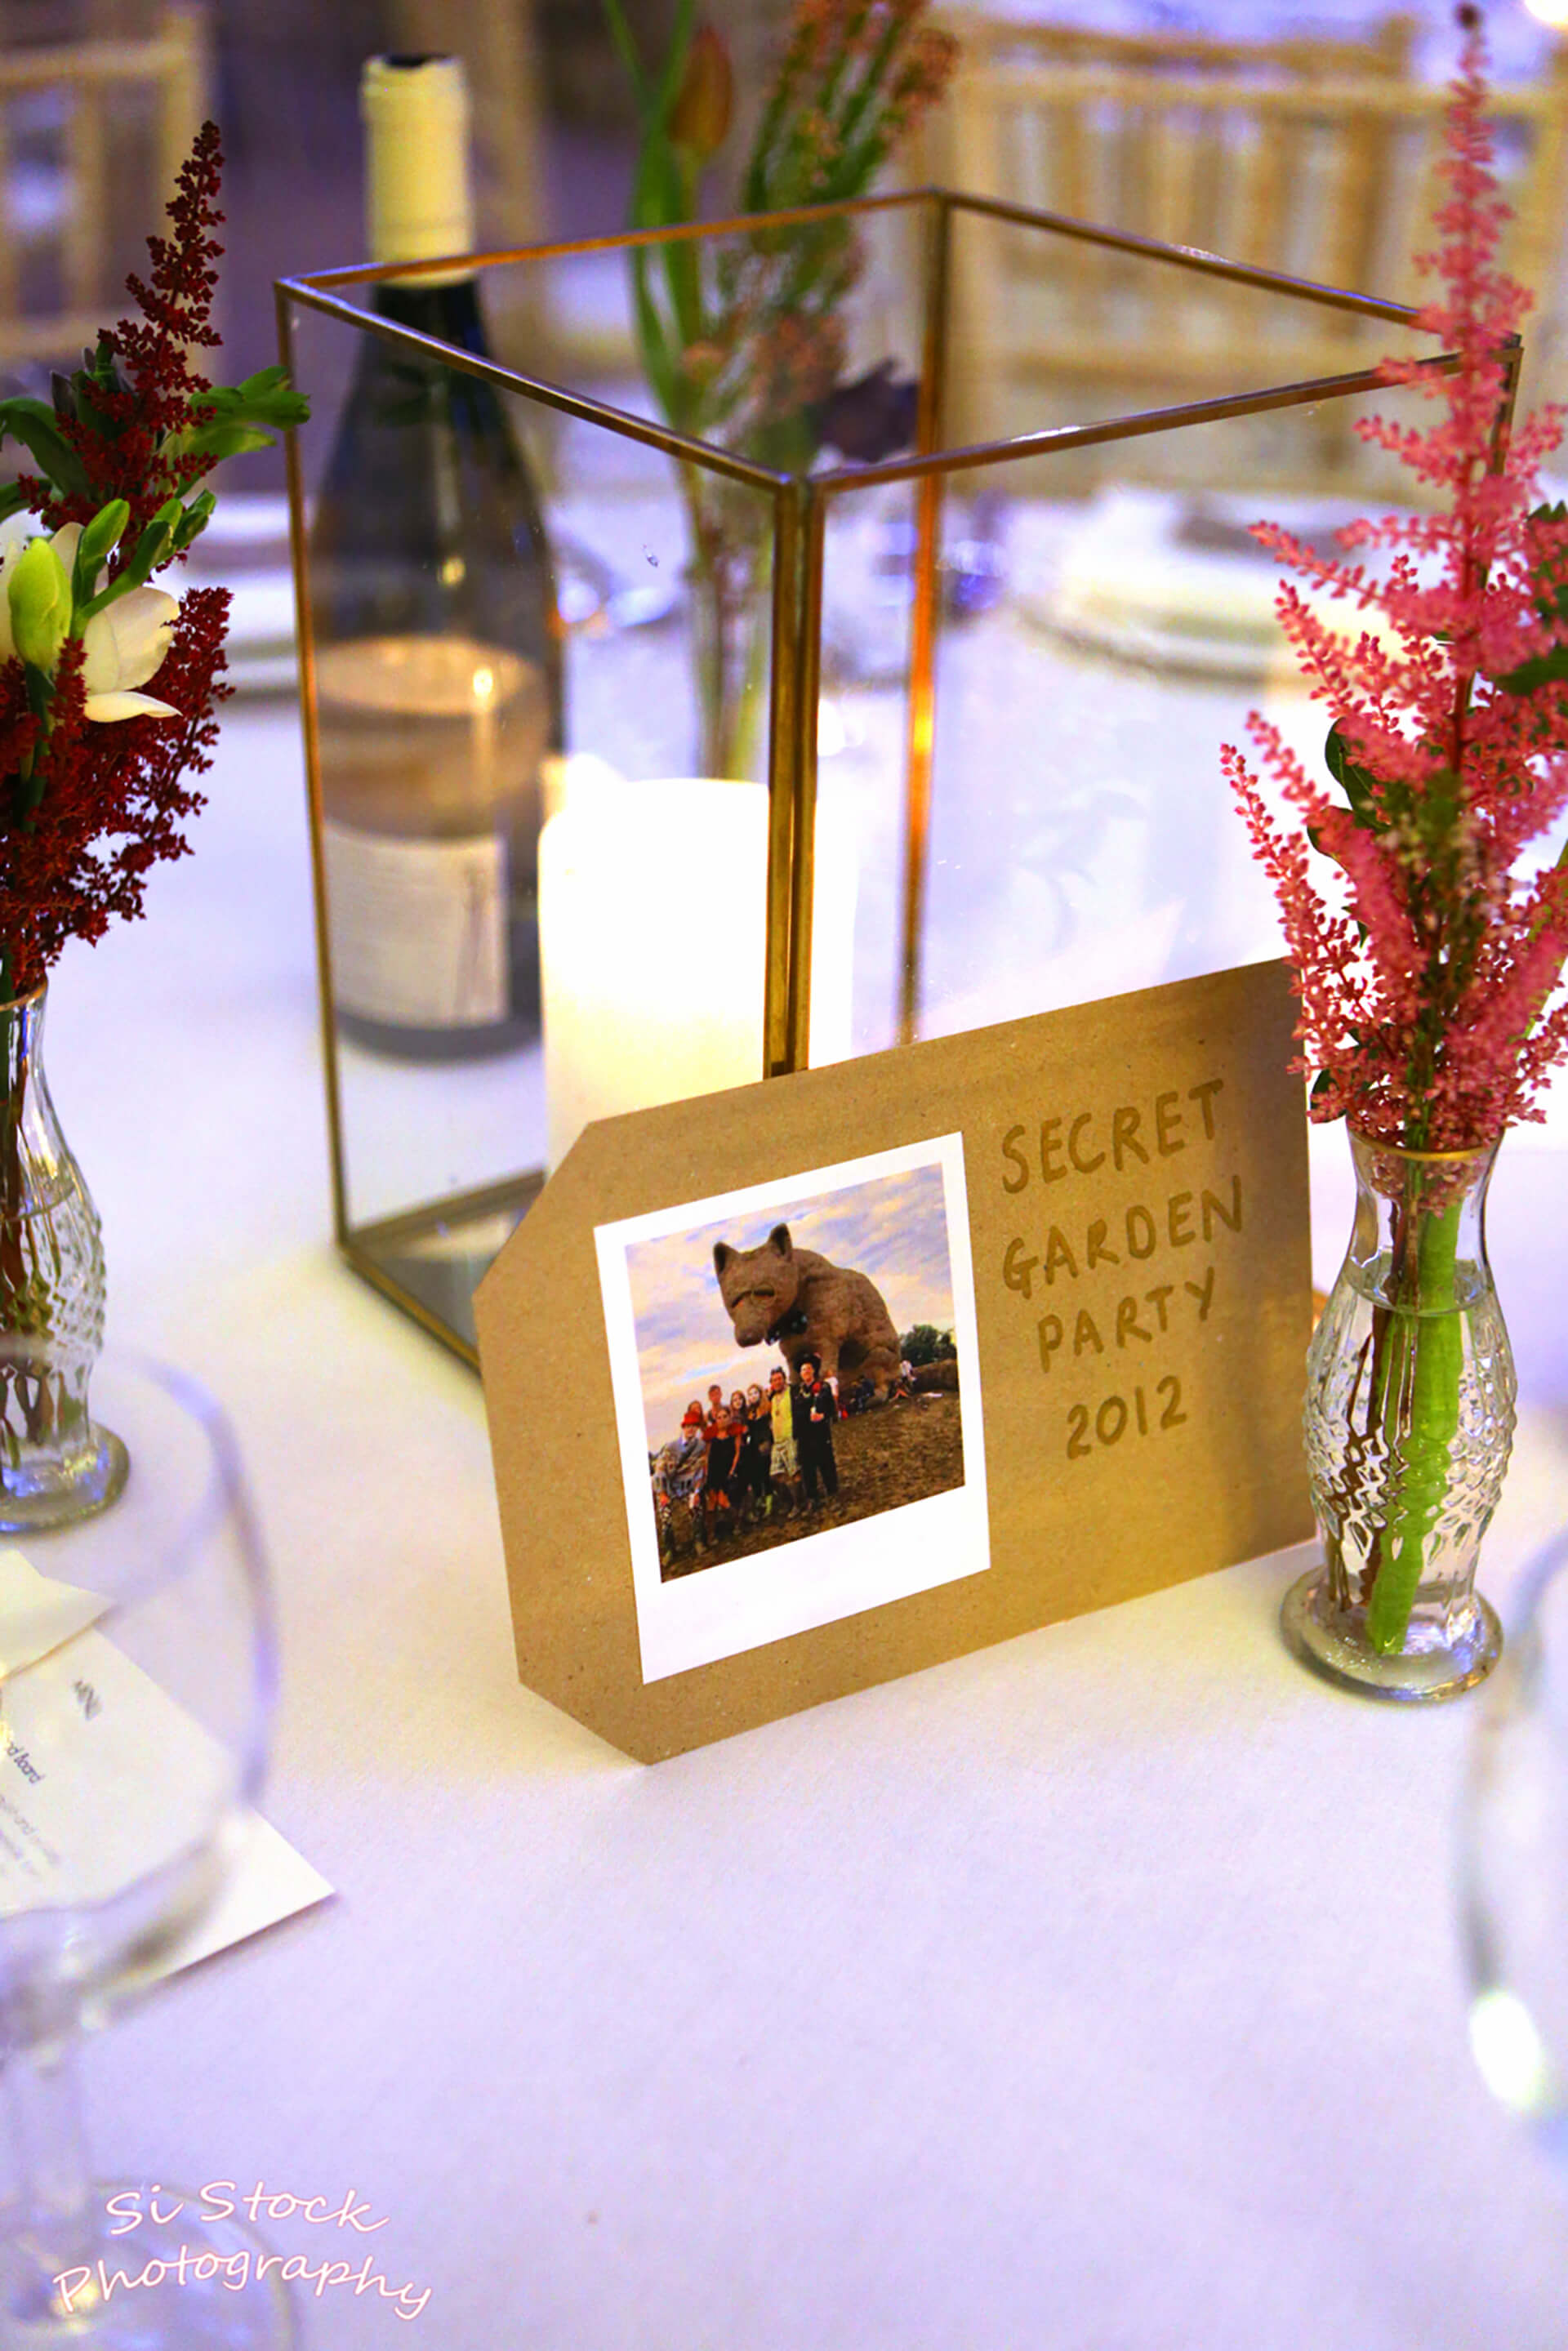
1099, 1991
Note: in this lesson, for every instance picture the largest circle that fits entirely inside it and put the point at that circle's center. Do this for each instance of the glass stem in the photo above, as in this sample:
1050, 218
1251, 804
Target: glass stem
51, 2151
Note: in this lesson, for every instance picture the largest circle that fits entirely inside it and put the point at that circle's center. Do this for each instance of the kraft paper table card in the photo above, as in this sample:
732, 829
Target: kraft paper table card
1106, 1210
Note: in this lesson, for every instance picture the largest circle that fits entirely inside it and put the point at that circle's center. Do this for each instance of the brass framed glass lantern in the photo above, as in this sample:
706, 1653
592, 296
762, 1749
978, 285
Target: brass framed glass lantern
890, 698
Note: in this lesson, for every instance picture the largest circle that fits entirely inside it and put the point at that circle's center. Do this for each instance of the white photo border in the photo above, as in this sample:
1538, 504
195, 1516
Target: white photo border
723, 1610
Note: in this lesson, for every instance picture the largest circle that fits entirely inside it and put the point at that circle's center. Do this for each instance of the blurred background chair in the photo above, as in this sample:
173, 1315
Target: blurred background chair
1382, 47
1271, 153
1236, 144
92, 131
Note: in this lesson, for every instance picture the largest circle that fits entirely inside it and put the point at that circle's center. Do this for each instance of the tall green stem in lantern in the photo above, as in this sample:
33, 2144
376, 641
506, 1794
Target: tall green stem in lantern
742, 339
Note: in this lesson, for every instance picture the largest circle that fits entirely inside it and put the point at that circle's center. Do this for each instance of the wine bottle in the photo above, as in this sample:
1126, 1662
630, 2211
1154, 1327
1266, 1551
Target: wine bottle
438, 671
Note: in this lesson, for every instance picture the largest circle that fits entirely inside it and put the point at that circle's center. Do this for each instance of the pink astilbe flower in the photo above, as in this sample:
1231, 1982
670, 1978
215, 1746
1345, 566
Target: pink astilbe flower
1426, 966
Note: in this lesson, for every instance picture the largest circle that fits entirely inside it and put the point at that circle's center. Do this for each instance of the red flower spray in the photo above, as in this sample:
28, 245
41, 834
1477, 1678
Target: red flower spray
88, 805
1427, 964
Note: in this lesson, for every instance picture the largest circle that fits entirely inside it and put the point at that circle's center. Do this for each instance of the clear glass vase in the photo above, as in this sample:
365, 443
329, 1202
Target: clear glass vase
56, 1466
1408, 1422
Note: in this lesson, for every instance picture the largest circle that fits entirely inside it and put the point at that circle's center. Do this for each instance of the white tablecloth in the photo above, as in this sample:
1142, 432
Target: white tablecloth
1098, 1992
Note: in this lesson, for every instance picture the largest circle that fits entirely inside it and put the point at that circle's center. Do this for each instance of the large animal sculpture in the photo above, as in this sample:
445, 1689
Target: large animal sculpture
779, 1295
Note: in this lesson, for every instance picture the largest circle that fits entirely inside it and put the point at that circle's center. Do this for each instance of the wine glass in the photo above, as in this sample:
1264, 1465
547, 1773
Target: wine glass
137, 1672
1514, 1877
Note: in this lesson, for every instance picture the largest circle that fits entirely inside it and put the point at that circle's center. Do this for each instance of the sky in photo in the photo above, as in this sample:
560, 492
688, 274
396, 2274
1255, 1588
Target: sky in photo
893, 1227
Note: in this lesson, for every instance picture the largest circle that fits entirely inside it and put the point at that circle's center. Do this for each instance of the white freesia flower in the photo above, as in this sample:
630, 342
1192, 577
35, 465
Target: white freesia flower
123, 645
14, 533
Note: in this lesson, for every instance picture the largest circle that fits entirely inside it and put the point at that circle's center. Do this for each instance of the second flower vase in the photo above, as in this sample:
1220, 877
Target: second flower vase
1408, 1423
56, 1465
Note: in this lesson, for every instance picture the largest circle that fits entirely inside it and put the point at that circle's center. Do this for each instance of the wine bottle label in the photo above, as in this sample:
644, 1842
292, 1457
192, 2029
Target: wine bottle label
418, 927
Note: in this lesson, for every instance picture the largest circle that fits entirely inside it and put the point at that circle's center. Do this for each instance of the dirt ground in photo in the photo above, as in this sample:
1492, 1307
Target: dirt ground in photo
896, 1454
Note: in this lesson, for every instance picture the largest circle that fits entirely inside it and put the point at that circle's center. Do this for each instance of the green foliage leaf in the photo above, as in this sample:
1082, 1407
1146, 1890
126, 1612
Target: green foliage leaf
156, 545
194, 520
240, 417
35, 426
266, 398
101, 536
1549, 668
219, 441
1358, 784
80, 397
1545, 669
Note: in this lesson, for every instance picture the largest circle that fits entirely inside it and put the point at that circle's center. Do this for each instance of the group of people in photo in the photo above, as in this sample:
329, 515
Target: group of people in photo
767, 1454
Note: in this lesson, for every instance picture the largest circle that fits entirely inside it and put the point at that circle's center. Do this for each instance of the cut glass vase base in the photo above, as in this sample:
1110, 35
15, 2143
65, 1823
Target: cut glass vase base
34, 1502
189, 2285
1440, 1660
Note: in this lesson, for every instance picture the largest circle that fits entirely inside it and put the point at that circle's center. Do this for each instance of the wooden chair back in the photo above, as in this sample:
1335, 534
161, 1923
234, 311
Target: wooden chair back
991, 47
1333, 181
71, 178
1382, 48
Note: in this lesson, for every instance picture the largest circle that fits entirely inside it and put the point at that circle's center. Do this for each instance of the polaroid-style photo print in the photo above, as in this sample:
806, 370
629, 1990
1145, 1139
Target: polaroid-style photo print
798, 1400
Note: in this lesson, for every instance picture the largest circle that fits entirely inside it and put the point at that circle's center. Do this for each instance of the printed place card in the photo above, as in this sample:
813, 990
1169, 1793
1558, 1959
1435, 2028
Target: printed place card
37, 1614
104, 1778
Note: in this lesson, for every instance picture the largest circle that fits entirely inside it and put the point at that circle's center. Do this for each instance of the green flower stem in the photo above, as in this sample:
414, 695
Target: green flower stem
16, 1288
1422, 1364
732, 634
871, 84
33, 775
702, 320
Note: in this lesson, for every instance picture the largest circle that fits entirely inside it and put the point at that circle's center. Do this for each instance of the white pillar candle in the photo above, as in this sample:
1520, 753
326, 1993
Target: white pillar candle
653, 943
